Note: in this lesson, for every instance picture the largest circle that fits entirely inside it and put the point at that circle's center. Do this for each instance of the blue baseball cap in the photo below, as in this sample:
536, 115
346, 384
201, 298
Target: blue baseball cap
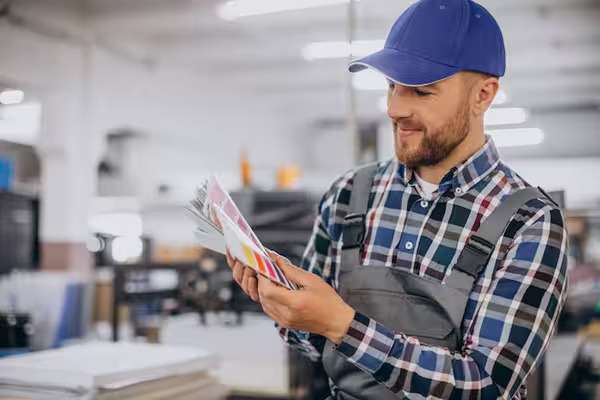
434, 39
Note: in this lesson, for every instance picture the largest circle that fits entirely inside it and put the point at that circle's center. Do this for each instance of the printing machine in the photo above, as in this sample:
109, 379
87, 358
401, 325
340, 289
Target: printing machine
283, 222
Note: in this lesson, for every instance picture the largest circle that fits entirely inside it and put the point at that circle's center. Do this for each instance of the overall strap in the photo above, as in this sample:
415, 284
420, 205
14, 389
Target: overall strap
354, 228
481, 244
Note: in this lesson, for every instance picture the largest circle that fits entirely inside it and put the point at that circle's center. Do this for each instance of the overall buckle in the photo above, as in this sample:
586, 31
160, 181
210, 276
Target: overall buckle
353, 232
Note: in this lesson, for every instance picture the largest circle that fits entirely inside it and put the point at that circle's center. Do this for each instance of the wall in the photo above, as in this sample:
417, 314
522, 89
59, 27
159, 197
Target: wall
192, 125
189, 127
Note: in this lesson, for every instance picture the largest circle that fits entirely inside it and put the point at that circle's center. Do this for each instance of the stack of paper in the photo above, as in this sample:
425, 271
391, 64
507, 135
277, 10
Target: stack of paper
106, 371
222, 227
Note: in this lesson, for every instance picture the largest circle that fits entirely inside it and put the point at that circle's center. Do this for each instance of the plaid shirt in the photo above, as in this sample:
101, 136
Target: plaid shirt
512, 310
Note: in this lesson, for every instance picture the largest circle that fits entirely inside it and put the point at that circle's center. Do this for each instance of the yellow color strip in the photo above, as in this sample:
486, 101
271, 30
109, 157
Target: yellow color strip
249, 257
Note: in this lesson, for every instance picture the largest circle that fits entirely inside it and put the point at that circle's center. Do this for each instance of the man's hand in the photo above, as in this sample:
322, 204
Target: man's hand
244, 276
315, 308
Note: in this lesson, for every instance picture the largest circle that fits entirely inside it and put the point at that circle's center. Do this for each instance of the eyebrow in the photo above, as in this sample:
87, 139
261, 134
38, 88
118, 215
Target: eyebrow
434, 85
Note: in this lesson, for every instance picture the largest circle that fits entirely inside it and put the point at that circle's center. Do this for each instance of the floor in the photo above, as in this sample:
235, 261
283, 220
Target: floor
253, 357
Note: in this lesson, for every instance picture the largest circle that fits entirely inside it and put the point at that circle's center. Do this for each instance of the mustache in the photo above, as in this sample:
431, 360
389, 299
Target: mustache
408, 125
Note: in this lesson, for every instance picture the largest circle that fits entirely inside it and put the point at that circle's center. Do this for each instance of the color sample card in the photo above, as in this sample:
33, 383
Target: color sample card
242, 248
221, 227
217, 196
211, 242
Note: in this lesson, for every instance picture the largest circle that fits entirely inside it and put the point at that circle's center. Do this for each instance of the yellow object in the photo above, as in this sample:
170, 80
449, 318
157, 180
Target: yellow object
287, 176
249, 256
167, 253
591, 331
245, 170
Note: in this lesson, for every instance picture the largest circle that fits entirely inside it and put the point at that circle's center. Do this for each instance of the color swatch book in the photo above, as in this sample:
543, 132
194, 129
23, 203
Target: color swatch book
222, 227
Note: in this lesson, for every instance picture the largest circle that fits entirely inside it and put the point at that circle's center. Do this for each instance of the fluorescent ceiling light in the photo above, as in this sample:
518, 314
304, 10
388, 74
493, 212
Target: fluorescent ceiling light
20, 123
517, 137
244, 8
10, 96
341, 49
505, 116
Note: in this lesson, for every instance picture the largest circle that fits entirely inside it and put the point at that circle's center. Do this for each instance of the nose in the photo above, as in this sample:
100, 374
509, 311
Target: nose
399, 102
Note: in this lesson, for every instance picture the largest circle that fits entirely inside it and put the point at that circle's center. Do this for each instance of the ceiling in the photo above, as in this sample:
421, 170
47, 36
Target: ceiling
553, 49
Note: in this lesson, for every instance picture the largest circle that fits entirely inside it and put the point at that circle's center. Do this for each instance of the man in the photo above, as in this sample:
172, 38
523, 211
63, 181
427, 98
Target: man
439, 274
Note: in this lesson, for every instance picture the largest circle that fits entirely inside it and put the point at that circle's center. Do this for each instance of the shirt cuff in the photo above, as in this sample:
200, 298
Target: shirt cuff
367, 343
302, 341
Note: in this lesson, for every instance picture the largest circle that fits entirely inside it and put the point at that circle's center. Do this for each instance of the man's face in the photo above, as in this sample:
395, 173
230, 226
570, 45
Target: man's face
429, 121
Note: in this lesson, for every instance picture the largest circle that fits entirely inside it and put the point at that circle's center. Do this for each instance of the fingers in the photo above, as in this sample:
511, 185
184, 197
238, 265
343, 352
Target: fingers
277, 257
272, 254
297, 275
249, 280
272, 292
278, 314
250, 283
264, 287
238, 272
244, 276
253, 289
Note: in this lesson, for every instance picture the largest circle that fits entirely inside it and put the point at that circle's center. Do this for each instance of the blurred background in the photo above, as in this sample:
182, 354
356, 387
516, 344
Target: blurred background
112, 112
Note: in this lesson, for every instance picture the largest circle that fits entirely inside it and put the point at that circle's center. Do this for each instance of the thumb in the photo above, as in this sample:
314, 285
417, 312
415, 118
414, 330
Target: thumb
293, 273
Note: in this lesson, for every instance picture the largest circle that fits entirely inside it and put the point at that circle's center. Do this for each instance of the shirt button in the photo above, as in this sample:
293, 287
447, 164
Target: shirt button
424, 203
408, 246
458, 190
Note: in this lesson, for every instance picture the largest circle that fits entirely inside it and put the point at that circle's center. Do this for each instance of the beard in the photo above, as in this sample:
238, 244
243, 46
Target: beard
435, 145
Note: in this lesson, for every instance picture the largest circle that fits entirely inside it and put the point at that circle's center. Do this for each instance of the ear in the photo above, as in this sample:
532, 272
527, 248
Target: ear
484, 92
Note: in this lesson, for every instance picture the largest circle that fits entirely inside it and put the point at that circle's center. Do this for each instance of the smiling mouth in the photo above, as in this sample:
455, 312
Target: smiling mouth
407, 132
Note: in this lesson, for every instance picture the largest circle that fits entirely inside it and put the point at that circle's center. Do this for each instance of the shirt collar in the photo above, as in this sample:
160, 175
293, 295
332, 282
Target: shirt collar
464, 175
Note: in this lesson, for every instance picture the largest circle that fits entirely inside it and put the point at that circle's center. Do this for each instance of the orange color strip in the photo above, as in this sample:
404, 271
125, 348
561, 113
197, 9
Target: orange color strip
261, 264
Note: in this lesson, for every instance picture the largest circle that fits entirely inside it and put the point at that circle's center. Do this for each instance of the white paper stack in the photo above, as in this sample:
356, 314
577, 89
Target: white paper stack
106, 371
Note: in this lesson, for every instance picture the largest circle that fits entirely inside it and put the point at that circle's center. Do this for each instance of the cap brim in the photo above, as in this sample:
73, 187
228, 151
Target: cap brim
405, 69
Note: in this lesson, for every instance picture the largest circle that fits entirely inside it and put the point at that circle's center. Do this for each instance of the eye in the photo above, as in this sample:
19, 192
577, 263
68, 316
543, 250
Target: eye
390, 85
421, 93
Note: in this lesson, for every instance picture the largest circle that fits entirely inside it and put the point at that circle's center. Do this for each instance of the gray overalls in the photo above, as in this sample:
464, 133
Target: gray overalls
402, 301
